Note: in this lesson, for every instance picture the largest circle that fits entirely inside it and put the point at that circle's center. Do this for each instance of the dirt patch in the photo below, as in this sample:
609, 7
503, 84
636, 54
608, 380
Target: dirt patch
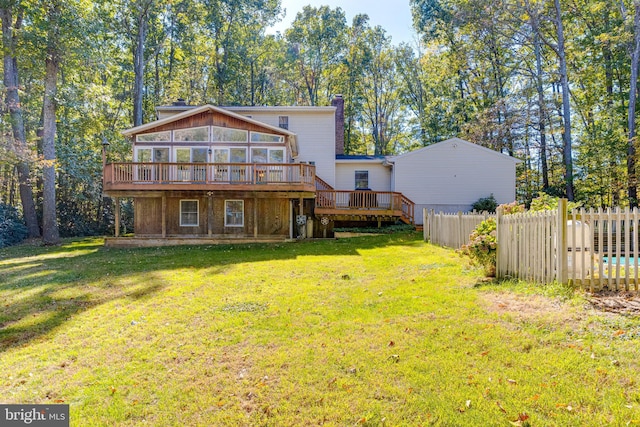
616, 302
530, 307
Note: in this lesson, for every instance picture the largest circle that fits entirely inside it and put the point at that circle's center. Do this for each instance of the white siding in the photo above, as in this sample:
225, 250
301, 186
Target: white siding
453, 174
379, 175
315, 129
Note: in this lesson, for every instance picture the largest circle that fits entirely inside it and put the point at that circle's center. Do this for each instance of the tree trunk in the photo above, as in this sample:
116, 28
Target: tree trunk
566, 106
12, 100
542, 127
138, 69
50, 233
632, 188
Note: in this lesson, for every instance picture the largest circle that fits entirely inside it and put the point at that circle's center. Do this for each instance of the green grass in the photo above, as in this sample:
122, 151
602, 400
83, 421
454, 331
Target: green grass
384, 330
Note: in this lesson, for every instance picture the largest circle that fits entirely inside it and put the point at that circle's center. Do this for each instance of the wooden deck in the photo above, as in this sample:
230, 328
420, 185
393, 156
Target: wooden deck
209, 177
364, 206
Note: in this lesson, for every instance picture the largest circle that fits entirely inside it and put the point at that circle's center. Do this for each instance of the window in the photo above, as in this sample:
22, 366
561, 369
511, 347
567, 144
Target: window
266, 137
188, 213
154, 137
238, 155
200, 134
283, 122
219, 134
234, 213
267, 155
276, 156
362, 180
259, 155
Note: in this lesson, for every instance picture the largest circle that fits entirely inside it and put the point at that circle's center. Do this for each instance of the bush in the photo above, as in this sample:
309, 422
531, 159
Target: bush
12, 229
545, 202
485, 204
482, 247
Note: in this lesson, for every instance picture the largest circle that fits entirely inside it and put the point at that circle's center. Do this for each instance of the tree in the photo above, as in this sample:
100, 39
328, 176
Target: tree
13, 105
317, 45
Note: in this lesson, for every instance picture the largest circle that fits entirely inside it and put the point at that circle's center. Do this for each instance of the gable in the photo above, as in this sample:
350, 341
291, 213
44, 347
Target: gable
461, 146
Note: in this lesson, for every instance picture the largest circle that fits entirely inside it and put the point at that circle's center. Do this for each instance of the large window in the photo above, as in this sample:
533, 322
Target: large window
362, 180
266, 137
219, 134
154, 137
189, 213
267, 155
200, 134
234, 213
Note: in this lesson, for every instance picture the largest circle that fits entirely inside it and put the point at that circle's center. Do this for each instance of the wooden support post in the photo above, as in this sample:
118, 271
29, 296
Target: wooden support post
116, 205
164, 215
209, 214
255, 217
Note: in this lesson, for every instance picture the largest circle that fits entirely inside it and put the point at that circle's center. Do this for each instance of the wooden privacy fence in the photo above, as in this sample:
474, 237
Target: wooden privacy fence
450, 229
593, 249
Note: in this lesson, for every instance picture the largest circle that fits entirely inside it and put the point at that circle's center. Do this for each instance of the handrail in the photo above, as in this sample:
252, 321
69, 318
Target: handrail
209, 173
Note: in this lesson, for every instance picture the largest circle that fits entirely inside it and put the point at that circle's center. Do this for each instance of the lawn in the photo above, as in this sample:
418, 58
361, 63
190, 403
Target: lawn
384, 330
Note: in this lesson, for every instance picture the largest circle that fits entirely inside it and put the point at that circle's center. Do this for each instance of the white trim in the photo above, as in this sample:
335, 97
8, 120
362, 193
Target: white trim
197, 213
226, 224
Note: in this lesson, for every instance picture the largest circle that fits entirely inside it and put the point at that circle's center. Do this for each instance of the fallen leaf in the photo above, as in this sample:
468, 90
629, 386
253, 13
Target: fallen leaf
510, 381
113, 390
619, 332
484, 353
500, 406
391, 343
468, 404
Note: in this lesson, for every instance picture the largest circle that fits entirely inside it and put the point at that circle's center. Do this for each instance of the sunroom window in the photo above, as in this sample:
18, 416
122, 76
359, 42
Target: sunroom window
154, 137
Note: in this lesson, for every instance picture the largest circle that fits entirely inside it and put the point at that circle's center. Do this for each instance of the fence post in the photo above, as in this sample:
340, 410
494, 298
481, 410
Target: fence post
498, 245
425, 225
562, 274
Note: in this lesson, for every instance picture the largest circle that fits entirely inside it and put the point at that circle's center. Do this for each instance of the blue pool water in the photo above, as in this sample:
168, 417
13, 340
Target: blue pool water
619, 260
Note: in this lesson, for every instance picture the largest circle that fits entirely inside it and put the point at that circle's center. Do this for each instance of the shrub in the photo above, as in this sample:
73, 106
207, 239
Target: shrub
12, 229
485, 204
545, 202
482, 247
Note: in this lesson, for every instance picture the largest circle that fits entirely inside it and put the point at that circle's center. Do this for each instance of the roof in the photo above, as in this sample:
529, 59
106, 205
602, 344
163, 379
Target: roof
358, 157
453, 142
193, 111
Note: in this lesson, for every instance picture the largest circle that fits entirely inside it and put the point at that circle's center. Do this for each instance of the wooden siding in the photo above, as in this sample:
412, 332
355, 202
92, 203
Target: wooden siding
271, 217
148, 216
210, 118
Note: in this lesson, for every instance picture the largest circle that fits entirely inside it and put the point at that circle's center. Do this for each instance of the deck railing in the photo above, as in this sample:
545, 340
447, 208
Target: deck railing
209, 173
358, 200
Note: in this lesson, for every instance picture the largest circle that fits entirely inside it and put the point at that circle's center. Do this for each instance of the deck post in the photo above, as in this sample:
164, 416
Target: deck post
255, 217
116, 203
164, 216
210, 213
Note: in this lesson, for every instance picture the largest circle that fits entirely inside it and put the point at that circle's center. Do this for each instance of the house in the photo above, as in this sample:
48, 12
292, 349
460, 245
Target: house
212, 174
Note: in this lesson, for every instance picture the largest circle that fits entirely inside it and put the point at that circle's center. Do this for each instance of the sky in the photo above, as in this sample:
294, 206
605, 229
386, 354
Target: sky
393, 16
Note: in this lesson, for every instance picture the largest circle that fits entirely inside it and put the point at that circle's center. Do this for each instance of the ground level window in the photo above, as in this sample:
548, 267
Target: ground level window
188, 213
362, 180
234, 213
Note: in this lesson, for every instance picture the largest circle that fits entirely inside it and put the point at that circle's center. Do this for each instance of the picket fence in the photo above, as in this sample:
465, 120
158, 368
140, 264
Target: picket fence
594, 249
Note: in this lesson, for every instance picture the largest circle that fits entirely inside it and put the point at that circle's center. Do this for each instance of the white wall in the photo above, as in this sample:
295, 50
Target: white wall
452, 175
379, 175
315, 128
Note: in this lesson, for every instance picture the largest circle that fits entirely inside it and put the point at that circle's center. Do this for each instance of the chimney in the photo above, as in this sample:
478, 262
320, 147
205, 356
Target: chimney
338, 102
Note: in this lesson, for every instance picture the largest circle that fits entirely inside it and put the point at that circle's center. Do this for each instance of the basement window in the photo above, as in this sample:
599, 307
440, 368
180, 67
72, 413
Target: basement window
188, 213
234, 213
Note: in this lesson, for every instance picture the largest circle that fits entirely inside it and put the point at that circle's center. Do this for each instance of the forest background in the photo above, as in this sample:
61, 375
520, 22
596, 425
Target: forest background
551, 82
